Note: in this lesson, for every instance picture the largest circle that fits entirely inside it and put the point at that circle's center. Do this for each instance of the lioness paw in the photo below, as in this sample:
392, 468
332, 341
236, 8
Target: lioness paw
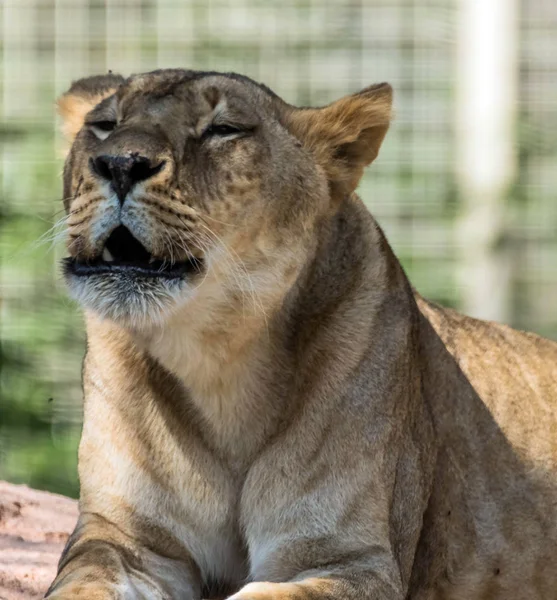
262, 590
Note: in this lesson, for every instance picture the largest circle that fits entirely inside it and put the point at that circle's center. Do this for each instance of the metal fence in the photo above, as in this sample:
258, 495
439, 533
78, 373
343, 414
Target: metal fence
309, 52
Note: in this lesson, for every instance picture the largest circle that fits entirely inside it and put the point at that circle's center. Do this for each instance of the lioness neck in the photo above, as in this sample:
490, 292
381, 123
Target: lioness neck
245, 365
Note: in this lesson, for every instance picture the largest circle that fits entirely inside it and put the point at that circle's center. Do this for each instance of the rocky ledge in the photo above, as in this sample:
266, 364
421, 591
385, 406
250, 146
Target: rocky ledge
33, 529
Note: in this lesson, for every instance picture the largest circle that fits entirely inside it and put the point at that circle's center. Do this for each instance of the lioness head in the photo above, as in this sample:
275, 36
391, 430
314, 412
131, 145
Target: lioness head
182, 183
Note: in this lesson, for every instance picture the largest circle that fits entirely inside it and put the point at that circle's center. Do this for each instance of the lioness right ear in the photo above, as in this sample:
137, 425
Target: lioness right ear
345, 136
81, 98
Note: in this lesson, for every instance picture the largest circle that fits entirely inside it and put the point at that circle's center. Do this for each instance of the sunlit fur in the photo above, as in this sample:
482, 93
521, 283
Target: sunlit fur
293, 421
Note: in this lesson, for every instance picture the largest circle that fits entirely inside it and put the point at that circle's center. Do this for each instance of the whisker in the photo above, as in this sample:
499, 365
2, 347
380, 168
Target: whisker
52, 233
52, 236
256, 298
216, 220
205, 246
234, 269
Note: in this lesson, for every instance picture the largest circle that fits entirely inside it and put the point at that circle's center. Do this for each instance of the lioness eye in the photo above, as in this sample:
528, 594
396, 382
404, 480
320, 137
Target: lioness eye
102, 129
221, 130
104, 125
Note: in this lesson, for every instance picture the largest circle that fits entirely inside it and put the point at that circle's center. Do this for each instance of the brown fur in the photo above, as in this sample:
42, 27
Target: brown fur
80, 98
293, 422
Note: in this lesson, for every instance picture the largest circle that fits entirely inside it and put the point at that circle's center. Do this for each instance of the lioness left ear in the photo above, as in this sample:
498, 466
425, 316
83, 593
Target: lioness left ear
345, 136
81, 98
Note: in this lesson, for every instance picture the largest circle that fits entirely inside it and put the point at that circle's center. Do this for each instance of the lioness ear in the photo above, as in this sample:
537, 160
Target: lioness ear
345, 136
81, 98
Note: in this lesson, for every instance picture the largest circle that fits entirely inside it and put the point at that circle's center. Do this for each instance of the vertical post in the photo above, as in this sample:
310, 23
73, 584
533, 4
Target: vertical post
485, 158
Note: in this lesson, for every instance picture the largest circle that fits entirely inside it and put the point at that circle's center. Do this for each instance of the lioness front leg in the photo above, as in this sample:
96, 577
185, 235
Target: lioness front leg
151, 502
101, 562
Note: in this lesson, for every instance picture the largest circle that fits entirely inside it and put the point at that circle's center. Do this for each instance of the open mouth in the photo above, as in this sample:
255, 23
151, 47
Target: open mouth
125, 254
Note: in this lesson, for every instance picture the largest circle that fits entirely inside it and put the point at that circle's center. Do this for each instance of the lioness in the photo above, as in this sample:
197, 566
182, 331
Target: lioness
271, 412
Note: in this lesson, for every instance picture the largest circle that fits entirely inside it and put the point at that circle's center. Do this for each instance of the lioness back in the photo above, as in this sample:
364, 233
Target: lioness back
493, 511
270, 412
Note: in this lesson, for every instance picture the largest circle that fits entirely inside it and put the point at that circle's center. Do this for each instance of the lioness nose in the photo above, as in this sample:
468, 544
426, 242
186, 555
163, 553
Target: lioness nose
123, 172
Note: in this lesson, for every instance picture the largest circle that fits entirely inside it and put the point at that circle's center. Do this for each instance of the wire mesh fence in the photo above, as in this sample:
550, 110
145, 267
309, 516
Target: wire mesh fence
309, 52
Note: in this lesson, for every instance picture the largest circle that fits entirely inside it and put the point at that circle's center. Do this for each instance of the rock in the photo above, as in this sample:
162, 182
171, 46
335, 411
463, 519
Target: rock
34, 527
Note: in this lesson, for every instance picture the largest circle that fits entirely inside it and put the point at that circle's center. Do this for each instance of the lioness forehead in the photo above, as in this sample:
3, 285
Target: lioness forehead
169, 79
179, 83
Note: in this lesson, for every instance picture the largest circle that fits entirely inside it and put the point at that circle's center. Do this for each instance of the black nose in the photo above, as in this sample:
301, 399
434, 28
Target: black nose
124, 172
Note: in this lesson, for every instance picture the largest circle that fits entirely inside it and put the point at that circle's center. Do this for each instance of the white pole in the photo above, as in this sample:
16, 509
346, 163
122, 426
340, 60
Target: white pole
487, 68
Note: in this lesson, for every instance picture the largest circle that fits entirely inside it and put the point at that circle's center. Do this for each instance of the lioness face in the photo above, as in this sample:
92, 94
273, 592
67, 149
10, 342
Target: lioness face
181, 183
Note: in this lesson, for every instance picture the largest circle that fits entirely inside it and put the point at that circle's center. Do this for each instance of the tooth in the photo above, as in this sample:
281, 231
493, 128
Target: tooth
107, 257
152, 260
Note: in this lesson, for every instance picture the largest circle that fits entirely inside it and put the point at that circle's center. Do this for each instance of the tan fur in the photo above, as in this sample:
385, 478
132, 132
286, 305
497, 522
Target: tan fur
73, 111
291, 422
357, 124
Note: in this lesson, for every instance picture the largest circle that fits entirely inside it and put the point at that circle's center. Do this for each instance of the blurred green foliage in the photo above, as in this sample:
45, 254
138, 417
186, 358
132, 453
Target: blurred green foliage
41, 333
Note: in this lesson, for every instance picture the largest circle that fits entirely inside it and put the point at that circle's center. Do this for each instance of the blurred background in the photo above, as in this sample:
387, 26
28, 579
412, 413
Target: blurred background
465, 186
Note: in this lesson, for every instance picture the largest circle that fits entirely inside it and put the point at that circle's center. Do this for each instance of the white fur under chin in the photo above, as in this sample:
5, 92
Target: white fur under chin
133, 303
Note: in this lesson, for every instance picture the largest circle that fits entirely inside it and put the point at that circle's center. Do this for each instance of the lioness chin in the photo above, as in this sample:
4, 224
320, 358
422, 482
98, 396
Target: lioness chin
270, 411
